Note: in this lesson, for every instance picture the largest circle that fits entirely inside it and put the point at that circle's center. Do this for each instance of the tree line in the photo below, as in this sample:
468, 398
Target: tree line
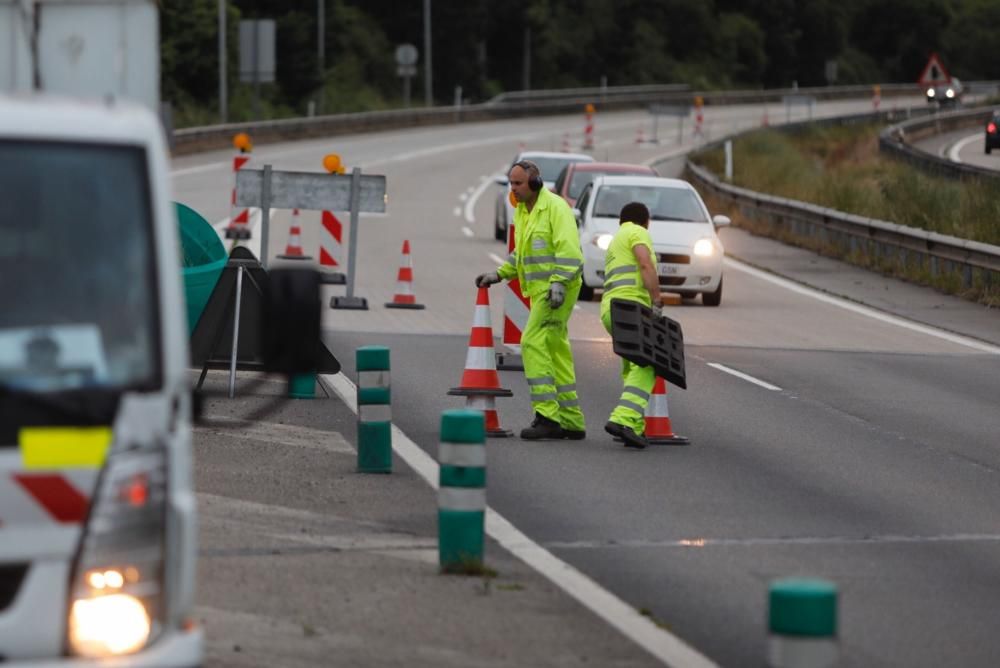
488, 47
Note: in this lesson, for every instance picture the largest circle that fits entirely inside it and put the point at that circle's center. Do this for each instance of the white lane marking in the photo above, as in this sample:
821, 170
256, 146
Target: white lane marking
744, 376
867, 311
662, 644
470, 203
467, 232
463, 196
197, 169
496, 258
959, 145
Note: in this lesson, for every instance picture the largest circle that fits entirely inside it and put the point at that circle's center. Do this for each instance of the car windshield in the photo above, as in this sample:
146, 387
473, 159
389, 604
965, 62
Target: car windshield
79, 303
677, 204
550, 167
582, 178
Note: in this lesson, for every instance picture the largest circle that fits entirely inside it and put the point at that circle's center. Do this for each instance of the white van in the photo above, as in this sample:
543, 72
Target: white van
97, 512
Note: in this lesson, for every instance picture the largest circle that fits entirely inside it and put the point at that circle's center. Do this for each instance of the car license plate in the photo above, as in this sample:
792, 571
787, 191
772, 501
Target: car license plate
667, 270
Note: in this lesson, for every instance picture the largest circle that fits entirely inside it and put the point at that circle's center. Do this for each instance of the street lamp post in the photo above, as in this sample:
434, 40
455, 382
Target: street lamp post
428, 87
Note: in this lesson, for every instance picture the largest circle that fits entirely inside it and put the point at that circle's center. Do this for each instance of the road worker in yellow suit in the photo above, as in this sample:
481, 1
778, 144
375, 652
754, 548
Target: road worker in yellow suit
630, 274
549, 263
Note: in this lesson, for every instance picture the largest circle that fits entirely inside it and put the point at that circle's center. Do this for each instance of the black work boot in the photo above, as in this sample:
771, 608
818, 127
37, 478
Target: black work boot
542, 429
631, 439
574, 434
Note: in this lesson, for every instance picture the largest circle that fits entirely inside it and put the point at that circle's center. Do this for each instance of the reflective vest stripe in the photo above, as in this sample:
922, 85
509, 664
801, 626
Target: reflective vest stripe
625, 268
619, 283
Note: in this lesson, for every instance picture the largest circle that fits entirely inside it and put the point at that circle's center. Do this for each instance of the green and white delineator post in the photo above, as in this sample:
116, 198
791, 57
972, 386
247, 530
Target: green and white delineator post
802, 624
374, 411
461, 490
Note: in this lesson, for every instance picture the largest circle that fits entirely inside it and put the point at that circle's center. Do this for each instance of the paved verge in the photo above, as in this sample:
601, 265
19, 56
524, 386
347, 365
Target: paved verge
305, 562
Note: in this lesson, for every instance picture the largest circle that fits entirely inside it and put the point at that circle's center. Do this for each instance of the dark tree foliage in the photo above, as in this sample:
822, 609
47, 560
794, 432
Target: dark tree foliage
486, 47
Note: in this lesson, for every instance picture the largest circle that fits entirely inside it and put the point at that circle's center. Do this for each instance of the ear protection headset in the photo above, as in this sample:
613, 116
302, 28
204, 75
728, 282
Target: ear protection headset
534, 174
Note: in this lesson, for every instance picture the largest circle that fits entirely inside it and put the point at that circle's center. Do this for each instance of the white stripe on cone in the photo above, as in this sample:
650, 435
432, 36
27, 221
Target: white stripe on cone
480, 358
481, 317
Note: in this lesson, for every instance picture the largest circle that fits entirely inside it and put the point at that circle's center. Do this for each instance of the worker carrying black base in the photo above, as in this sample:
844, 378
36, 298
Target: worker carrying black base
630, 275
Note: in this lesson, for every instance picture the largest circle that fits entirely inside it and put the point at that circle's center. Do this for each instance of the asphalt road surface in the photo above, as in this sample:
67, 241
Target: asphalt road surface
851, 447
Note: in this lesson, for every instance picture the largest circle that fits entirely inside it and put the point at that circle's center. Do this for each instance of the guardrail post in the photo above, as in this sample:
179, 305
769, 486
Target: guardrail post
802, 623
374, 410
461, 490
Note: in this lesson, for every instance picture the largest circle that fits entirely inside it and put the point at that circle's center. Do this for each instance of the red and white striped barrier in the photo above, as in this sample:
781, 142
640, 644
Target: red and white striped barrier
515, 316
239, 218
588, 128
331, 245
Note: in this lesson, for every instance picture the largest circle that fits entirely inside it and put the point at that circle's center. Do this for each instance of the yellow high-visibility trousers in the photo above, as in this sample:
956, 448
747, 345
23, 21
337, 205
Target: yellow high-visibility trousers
548, 360
638, 382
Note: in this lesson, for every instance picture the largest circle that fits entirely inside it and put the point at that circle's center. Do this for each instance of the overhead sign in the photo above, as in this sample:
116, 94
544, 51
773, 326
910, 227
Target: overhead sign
934, 72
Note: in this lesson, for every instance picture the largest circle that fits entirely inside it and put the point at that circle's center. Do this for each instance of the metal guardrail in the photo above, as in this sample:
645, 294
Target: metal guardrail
526, 103
895, 141
864, 240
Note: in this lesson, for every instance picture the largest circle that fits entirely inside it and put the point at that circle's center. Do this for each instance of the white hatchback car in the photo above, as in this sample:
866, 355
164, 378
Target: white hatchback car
550, 163
688, 250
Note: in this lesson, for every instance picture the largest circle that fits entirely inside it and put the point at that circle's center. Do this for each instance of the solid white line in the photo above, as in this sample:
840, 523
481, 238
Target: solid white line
471, 202
496, 258
662, 644
959, 145
744, 376
864, 310
467, 232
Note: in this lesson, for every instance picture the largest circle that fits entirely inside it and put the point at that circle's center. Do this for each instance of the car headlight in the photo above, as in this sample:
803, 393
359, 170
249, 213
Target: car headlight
949, 93
602, 241
704, 248
117, 584
930, 92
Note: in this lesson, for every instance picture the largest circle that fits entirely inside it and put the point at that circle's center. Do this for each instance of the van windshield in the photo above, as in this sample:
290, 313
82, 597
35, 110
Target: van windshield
78, 304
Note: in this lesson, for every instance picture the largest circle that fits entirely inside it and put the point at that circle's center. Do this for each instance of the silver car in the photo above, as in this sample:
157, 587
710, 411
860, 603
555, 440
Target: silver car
550, 163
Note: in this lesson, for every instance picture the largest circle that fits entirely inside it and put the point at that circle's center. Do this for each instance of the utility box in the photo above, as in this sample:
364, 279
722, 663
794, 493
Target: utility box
81, 48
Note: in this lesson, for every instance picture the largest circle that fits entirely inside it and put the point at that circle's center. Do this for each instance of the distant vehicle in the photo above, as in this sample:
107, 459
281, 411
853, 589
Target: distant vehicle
946, 94
550, 163
992, 132
574, 177
688, 250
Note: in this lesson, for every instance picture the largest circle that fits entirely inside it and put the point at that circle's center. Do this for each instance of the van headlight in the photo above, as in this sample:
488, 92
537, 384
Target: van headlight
117, 585
602, 241
704, 248
930, 92
950, 93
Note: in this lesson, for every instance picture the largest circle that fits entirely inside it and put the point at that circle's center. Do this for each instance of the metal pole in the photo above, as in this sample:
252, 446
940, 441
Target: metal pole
428, 87
526, 83
223, 82
265, 214
321, 21
236, 331
256, 69
352, 249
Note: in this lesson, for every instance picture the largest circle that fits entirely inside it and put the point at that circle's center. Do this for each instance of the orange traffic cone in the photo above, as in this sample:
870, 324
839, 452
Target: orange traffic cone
404, 297
658, 428
293, 249
480, 381
487, 404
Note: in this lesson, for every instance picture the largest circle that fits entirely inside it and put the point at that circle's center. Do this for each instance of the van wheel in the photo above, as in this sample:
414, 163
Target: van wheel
712, 298
586, 293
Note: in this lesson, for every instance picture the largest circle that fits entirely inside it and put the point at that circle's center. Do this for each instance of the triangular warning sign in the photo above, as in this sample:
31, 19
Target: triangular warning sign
934, 72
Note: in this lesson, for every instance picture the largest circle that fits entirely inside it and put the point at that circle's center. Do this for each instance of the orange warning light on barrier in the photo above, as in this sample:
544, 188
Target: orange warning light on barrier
589, 108
242, 142
331, 163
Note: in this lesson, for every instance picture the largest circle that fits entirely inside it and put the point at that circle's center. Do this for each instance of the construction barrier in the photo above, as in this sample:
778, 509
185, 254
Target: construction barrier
802, 623
516, 308
404, 297
331, 235
239, 217
461, 491
374, 410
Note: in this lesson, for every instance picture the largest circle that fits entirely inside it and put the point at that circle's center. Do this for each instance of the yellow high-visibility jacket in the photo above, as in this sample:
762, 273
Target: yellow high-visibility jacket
546, 246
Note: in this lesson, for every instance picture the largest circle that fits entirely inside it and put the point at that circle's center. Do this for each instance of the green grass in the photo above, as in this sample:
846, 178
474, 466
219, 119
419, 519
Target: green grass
841, 168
